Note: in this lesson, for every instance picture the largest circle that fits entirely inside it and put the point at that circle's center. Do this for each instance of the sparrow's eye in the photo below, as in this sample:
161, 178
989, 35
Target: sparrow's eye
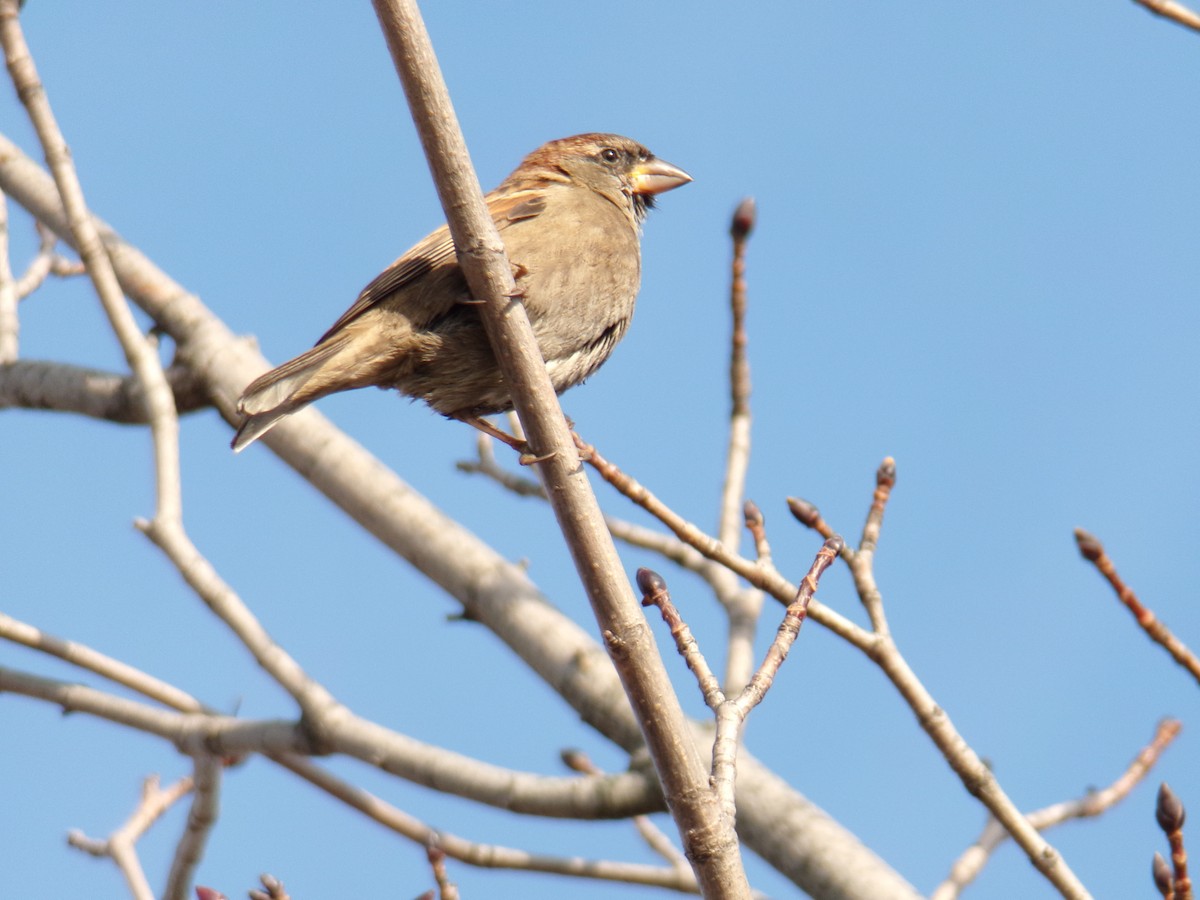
609, 155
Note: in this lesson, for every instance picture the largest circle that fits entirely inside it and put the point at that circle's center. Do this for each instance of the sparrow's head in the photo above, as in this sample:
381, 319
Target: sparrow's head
617, 167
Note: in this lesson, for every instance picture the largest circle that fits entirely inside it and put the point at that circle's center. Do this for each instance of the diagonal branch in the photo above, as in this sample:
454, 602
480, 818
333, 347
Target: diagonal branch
707, 834
1095, 803
139, 350
1176, 12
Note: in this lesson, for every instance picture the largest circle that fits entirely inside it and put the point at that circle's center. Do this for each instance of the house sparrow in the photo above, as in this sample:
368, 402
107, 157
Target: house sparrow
570, 217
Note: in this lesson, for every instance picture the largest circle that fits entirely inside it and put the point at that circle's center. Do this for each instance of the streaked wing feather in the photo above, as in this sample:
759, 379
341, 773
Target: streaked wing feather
433, 251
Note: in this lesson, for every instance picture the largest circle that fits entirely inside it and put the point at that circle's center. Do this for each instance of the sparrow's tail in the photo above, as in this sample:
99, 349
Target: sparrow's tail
324, 369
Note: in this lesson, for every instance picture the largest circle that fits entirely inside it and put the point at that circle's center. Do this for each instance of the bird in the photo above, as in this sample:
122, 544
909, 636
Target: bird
570, 217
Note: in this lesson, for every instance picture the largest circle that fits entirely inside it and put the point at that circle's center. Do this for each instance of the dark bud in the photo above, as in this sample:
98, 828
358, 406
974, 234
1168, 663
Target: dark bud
1089, 548
743, 219
806, 514
1162, 875
1169, 810
753, 514
836, 543
885, 475
649, 583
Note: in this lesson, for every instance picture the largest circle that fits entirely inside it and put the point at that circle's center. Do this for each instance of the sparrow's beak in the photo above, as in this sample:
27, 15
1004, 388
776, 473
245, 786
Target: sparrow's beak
656, 176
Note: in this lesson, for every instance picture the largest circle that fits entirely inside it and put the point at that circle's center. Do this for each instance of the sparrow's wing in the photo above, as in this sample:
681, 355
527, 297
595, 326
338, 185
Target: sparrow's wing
433, 251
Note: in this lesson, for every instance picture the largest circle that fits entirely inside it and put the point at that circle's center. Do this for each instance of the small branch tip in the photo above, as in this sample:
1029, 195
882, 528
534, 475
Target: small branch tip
1168, 810
744, 218
752, 513
651, 584
1162, 875
885, 475
1089, 547
576, 760
806, 514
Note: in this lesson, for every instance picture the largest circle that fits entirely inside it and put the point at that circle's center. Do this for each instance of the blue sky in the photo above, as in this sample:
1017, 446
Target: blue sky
977, 253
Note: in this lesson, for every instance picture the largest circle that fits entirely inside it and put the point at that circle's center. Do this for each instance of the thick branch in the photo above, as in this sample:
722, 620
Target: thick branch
29, 384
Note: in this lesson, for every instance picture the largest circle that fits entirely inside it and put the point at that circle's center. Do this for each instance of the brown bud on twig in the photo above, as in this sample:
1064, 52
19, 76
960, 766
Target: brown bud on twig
754, 516
806, 514
885, 475
651, 584
1168, 810
836, 544
743, 219
1162, 875
1089, 547
576, 760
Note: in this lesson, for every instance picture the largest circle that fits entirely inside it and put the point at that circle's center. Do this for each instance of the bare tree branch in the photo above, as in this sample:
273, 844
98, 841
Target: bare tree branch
1095, 803
878, 644
708, 835
1176, 12
1093, 551
9, 323
487, 855
206, 784
120, 846
141, 355
93, 661
60, 387
782, 826
742, 606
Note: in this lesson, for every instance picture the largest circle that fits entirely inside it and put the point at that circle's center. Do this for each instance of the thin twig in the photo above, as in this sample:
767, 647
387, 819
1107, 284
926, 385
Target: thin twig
742, 606
93, 661
1094, 803
654, 837
485, 464
1176, 12
862, 561
731, 713
768, 580
41, 265
206, 785
139, 351
485, 855
1093, 551
789, 628
10, 325
737, 457
446, 889
975, 775
1169, 813
120, 846
318, 705
655, 593
670, 548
